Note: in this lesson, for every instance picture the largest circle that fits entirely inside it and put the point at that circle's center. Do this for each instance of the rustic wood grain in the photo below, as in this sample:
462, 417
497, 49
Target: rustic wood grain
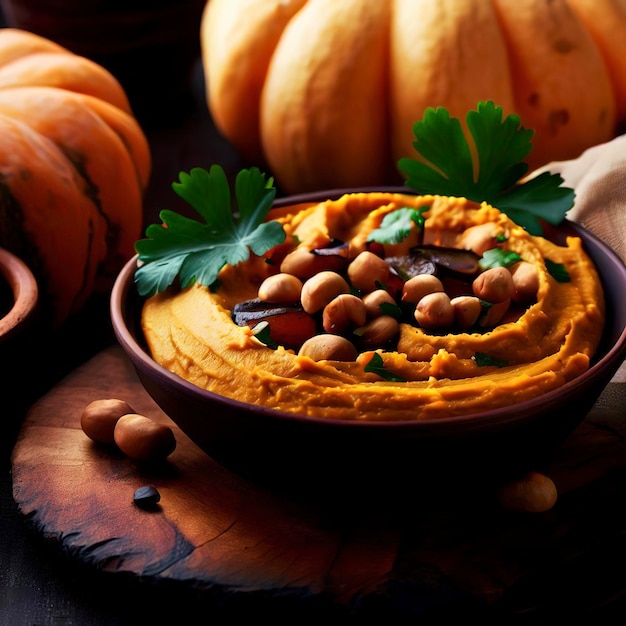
215, 530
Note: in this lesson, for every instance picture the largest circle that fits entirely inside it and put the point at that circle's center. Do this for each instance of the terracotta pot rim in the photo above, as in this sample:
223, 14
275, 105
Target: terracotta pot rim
25, 290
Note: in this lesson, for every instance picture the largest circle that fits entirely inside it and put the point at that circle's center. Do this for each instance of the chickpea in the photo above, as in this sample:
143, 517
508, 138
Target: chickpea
305, 263
378, 331
434, 310
480, 238
343, 313
99, 417
300, 262
418, 286
328, 347
494, 285
526, 282
320, 289
143, 439
532, 493
467, 310
373, 301
282, 288
368, 271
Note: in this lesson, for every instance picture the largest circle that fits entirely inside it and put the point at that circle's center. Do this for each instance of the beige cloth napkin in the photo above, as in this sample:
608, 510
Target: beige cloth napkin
598, 176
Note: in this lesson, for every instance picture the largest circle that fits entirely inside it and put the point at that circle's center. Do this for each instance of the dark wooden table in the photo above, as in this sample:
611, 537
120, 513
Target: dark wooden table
582, 541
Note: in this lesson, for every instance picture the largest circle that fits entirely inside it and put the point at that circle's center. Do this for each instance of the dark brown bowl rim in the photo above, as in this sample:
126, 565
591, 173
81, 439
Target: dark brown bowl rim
601, 369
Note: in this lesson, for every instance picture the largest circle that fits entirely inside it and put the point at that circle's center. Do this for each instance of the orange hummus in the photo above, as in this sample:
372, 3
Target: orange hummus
191, 332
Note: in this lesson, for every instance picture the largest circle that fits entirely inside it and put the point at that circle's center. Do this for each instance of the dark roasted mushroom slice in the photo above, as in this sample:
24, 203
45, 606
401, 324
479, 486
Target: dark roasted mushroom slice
335, 247
453, 259
289, 326
254, 310
428, 259
410, 265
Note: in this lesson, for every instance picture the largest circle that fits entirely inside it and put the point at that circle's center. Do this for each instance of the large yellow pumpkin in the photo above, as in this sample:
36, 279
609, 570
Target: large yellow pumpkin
74, 164
325, 92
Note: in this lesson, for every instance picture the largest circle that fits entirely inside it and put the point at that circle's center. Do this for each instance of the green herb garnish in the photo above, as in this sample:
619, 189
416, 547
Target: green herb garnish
393, 310
262, 332
196, 251
447, 167
497, 257
483, 360
558, 271
396, 226
376, 366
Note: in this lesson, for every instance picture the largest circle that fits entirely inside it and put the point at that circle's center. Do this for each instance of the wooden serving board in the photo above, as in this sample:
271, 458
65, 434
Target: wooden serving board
215, 530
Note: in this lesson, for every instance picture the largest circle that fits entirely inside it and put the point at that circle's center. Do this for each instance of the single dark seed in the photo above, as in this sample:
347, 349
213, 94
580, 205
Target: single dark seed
146, 497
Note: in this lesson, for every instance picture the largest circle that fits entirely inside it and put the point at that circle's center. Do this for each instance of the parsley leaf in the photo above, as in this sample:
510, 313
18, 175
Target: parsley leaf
262, 333
497, 257
447, 166
376, 365
393, 310
484, 360
396, 226
558, 271
196, 251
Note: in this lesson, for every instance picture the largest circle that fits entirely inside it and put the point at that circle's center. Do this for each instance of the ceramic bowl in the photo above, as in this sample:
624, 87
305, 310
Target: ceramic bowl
19, 297
270, 445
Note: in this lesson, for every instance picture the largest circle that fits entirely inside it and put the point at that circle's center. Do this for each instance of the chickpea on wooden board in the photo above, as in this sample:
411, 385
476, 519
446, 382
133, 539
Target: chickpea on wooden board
99, 418
113, 421
141, 438
532, 493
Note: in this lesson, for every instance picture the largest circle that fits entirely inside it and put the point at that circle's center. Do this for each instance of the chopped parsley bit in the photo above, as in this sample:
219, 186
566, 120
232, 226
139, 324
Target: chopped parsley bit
483, 359
396, 226
446, 166
496, 257
376, 366
196, 251
262, 332
387, 308
558, 271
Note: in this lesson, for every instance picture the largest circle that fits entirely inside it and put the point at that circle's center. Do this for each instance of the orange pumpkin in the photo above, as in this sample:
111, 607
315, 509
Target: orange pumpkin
325, 92
74, 164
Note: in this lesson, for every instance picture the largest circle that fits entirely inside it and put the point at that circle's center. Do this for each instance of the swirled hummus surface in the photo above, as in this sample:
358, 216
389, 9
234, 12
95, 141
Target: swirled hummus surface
436, 373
